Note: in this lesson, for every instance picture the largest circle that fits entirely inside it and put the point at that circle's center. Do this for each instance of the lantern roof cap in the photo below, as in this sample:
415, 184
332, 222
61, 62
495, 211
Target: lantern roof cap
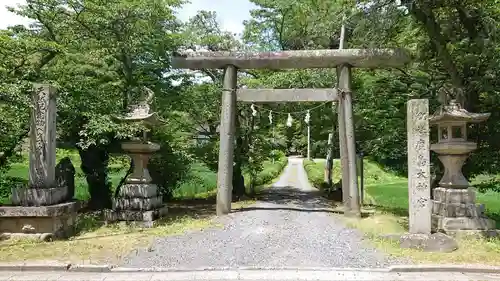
141, 111
138, 116
453, 112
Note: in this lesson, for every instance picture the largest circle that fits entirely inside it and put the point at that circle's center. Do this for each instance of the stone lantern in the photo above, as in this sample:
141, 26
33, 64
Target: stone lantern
138, 199
454, 200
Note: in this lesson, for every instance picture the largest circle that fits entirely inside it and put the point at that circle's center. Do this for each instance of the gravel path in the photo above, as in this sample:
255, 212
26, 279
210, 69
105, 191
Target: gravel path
290, 226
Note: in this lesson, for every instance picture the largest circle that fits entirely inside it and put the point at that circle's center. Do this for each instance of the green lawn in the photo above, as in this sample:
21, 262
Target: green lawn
389, 192
200, 180
117, 171
393, 197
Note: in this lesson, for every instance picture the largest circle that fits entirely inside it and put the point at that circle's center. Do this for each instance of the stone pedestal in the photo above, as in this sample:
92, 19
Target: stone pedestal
138, 199
39, 196
455, 210
45, 223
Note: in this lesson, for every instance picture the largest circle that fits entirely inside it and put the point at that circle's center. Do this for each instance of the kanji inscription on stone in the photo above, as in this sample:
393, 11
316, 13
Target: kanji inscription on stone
420, 186
422, 202
422, 161
43, 137
419, 166
420, 144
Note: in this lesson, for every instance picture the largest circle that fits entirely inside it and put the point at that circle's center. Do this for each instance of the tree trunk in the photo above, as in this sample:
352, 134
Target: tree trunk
238, 179
329, 161
95, 166
251, 152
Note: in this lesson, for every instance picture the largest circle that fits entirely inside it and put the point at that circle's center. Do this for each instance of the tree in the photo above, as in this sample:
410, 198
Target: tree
113, 48
453, 42
204, 33
25, 54
455, 47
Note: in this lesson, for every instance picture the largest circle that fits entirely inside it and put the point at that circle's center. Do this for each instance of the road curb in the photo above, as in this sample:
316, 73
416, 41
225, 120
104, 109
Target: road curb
58, 267
243, 269
34, 266
445, 268
166, 269
90, 268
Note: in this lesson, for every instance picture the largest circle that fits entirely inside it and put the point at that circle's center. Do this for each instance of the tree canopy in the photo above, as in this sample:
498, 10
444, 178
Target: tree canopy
99, 54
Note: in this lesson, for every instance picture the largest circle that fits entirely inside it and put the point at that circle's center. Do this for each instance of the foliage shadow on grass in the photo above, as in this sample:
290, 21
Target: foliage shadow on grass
196, 208
89, 221
284, 195
397, 211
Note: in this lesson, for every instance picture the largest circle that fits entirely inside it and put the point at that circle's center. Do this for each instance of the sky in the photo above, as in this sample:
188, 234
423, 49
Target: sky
231, 19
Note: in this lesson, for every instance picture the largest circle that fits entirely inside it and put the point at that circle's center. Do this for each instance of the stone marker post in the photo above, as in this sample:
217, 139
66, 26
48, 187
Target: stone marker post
42, 189
226, 147
419, 184
42, 161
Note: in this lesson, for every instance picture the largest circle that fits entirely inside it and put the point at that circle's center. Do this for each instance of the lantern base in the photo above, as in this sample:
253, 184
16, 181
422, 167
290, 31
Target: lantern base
455, 210
141, 203
138, 218
450, 225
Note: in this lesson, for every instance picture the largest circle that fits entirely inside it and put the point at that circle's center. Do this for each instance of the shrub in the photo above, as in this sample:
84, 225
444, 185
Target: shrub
168, 166
6, 184
199, 179
315, 174
272, 170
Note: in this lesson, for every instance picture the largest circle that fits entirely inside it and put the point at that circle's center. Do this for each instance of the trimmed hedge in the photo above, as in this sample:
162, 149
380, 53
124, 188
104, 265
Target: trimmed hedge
270, 170
315, 173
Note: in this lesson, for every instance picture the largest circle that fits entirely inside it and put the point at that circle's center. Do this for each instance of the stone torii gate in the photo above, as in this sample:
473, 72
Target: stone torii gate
342, 59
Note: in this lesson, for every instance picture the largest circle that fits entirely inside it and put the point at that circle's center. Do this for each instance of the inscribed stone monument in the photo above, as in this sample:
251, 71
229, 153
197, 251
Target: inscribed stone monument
43, 137
419, 167
42, 189
40, 210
